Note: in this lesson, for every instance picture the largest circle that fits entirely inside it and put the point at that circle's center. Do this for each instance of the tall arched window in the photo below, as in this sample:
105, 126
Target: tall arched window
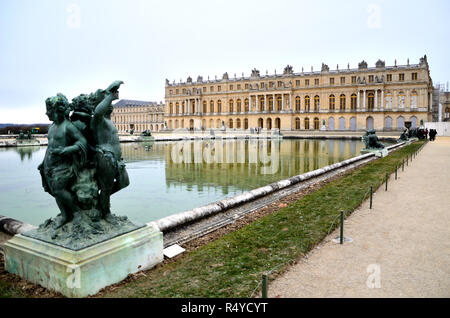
401, 100
246, 105
260, 123
306, 123
331, 123
332, 102
205, 104
413, 120
261, 104
246, 123
177, 108
413, 100
211, 106
316, 123
278, 123
219, 106
307, 104
370, 101
183, 110
400, 123
230, 106
388, 101
170, 108
369, 123
270, 104
297, 104
297, 123
238, 123
238, 106
342, 102
316, 103
341, 123
388, 123
447, 113
353, 123
230, 123
353, 102
279, 103
269, 123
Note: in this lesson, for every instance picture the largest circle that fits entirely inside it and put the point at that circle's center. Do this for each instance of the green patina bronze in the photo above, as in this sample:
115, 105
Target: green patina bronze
371, 140
82, 168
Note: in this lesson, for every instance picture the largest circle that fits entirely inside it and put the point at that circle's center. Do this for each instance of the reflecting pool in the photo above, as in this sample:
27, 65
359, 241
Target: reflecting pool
171, 177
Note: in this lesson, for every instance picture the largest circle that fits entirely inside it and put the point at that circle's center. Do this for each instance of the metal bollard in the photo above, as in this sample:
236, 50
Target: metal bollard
371, 194
407, 160
396, 168
342, 228
386, 181
403, 165
264, 286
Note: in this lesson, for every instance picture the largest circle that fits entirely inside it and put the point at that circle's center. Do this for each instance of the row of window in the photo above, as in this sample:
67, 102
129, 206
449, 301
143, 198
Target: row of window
139, 127
306, 83
308, 123
137, 118
307, 104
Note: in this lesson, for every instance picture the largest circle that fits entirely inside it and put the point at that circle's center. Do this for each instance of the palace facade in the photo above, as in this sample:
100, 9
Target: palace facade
381, 97
138, 115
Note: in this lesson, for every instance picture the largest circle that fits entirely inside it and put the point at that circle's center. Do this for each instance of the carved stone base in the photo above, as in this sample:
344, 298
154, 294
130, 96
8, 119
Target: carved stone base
83, 272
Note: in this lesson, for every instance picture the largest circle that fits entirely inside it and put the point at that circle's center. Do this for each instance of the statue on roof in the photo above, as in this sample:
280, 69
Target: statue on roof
380, 64
255, 73
362, 65
288, 70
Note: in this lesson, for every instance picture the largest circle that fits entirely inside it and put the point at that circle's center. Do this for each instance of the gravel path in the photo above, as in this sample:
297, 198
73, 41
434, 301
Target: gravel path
400, 248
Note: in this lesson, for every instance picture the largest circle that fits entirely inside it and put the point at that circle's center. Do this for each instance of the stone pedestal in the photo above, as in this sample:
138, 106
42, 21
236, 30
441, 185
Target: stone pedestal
84, 272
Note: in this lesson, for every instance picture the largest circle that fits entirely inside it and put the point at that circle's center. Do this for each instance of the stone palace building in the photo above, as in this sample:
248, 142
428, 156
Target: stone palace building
381, 97
138, 115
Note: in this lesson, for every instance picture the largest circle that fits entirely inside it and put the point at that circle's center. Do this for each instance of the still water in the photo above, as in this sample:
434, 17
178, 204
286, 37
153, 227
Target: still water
171, 177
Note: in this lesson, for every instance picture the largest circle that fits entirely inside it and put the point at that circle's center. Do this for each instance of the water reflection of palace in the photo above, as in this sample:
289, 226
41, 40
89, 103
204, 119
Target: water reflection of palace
248, 164
143, 151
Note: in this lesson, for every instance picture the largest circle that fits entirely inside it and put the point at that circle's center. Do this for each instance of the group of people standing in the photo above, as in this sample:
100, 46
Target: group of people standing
432, 133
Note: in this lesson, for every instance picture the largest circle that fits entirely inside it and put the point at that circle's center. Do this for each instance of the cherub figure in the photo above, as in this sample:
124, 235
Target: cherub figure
110, 170
64, 158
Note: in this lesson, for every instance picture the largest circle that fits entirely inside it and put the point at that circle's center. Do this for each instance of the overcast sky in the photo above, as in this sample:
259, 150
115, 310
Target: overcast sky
74, 47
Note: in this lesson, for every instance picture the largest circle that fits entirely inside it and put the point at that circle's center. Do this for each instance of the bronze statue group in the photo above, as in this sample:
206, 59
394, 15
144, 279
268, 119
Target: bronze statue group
83, 164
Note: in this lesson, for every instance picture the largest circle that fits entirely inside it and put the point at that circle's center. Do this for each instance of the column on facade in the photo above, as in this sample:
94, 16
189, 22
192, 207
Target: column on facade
364, 100
358, 102
274, 102
395, 100
408, 99
282, 102
383, 102
290, 101
430, 101
265, 103
376, 100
